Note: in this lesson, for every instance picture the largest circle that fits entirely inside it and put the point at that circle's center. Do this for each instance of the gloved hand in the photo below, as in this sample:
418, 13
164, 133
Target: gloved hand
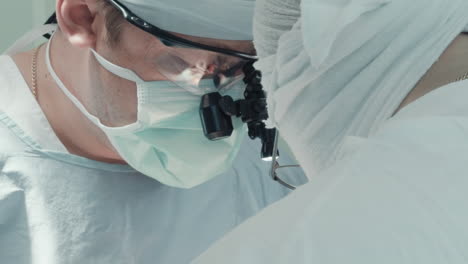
272, 19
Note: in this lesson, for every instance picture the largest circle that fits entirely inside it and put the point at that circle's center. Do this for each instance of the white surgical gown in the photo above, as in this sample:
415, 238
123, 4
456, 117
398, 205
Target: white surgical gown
399, 196
60, 208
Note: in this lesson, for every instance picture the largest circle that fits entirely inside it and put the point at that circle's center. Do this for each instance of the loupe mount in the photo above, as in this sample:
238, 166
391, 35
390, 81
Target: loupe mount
216, 112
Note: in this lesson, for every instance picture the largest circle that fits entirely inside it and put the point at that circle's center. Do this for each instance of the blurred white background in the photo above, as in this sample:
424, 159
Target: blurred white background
19, 16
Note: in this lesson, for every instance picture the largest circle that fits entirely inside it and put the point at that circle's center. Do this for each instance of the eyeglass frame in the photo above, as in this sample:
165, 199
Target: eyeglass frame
169, 39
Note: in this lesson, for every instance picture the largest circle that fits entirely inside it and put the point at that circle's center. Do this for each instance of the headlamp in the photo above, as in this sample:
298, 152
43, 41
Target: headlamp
216, 124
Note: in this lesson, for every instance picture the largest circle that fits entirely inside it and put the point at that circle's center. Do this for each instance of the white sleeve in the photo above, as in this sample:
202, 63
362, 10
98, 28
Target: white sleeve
335, 68
400, 199
15, 240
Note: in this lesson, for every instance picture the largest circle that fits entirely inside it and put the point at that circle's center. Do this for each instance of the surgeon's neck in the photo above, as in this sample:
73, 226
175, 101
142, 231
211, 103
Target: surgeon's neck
79, 136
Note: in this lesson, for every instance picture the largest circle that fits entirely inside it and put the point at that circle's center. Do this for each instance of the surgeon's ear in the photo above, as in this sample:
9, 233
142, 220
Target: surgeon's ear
76, 19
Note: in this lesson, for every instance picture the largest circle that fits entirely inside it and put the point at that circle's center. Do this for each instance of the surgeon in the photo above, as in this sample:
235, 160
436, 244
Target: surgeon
103, 157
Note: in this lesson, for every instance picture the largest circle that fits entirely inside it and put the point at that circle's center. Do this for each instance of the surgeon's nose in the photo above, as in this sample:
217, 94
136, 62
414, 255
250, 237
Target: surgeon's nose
211, 69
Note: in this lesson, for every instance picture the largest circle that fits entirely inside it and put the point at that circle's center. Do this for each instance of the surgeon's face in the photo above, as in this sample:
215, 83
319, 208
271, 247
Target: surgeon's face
114, 98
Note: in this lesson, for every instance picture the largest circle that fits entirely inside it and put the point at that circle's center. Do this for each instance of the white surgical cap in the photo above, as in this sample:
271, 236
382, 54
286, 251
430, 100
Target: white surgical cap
227, 19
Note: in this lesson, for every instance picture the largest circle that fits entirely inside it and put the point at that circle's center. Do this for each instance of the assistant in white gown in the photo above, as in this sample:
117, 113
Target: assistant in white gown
381, 189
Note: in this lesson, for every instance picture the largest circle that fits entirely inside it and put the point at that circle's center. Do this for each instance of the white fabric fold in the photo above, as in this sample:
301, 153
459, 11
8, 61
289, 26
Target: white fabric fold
400, 198
344, 67
327, 19
272, 19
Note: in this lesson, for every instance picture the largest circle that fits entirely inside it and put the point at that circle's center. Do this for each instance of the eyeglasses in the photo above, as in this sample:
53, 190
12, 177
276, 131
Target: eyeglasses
196, 67
172, 40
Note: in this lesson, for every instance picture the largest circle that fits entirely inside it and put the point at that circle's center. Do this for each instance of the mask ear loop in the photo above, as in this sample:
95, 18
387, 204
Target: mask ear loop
79, 105
117, 70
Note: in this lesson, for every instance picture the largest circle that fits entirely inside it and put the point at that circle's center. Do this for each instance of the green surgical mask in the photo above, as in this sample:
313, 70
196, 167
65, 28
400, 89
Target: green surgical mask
166, 142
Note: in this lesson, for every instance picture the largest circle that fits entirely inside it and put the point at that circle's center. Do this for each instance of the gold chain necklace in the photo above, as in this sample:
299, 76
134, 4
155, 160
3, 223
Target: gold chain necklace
464, 77
34, 72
